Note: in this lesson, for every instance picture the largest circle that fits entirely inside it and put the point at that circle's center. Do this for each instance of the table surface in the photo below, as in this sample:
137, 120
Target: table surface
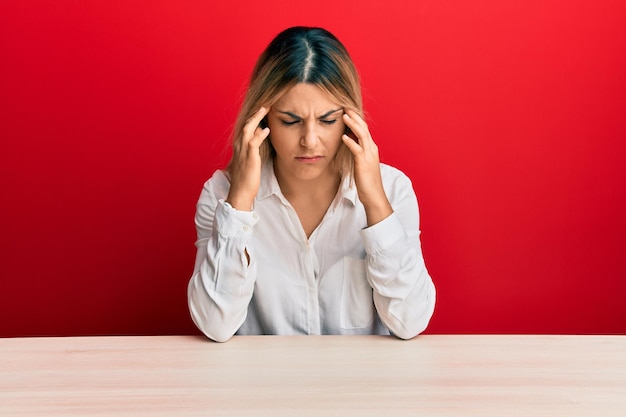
433, 375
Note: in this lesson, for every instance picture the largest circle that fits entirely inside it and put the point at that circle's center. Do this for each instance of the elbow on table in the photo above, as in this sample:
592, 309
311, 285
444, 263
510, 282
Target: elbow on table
216, 333
405, 333
408, 323
202, 321
219, 335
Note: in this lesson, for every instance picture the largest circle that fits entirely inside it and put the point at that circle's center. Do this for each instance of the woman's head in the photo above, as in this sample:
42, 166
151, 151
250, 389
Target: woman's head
302, 55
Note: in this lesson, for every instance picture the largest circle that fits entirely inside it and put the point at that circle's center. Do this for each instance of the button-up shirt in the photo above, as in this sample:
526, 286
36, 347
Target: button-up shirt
256, 272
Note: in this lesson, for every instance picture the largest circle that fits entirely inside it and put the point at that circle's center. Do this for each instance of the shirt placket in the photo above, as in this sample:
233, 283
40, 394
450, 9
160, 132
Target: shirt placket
308, 269
309, 264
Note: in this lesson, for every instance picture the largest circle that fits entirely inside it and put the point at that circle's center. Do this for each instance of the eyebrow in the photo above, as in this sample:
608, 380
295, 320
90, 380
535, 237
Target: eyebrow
323, 116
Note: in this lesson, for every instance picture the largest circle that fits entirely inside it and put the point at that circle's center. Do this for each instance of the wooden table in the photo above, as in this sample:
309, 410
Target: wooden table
431, 375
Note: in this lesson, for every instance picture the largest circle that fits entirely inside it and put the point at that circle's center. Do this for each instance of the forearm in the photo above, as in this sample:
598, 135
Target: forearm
404, 293
409, 316
223, 280
219, 293
377, 209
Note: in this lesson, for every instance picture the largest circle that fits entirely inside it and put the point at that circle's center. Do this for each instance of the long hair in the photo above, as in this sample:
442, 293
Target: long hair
302, 55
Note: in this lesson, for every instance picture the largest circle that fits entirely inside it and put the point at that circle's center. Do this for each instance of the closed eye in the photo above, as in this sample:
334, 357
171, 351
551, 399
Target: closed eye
293, 122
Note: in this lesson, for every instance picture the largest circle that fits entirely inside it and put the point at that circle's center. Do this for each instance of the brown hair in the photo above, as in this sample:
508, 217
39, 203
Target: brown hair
302, 55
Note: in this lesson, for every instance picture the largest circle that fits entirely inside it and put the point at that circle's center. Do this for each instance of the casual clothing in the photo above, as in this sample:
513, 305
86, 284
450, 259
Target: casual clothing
346, 278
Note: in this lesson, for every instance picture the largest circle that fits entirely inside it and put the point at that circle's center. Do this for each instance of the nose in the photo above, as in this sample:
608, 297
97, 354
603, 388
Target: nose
309, 136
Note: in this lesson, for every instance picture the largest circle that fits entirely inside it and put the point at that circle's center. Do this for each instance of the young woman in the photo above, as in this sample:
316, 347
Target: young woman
306, 232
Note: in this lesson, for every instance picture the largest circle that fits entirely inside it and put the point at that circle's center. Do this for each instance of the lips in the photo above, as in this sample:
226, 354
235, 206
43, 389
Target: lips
309, 159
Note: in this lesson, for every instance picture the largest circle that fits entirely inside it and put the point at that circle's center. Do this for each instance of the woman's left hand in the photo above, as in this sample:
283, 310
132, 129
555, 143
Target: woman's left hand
367, 176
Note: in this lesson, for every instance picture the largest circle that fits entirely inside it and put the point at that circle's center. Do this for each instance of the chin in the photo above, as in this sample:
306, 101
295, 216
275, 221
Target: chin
308, 173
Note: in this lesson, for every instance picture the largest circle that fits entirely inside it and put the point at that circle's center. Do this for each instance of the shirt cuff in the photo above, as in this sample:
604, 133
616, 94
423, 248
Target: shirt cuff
382, 235
233, 223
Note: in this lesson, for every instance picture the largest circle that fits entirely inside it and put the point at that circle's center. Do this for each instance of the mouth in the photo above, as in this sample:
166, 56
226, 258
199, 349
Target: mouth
309, 159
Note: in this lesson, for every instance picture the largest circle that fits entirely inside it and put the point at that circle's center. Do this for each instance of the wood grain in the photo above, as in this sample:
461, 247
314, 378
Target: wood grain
434, 375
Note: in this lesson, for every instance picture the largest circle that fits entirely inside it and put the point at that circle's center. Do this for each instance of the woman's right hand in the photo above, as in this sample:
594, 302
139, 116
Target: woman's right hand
245, 175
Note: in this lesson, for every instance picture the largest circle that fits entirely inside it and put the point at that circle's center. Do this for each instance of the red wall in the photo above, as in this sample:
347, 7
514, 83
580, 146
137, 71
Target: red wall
508, 116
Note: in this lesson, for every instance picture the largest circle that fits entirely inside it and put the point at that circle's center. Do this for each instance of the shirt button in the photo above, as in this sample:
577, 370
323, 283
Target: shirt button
255, 216
246, 228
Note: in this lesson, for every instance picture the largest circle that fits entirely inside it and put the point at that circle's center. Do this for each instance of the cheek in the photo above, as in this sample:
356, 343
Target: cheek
279, 137
334, 142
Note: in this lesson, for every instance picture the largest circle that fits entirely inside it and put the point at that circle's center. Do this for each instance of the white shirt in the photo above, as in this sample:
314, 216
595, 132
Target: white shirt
346, 278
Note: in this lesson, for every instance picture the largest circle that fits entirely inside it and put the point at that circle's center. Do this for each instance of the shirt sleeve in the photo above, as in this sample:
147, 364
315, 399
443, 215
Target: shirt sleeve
223, 279
404, 293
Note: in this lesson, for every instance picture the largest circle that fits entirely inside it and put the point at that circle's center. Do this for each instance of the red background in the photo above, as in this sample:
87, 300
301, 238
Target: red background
508, 116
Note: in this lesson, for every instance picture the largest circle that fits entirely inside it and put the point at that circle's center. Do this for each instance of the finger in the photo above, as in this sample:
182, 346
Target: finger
253, 122
355, 116
366, 140
259, 136
351, 144
357, 125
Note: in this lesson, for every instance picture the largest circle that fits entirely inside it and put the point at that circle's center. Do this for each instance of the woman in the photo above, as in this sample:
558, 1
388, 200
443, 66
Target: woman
306, 232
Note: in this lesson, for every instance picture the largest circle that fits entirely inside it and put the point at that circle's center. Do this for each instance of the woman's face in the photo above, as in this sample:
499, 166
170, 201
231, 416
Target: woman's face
305, 131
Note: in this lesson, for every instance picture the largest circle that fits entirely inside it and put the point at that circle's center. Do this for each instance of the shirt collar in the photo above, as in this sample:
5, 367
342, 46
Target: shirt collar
269, 186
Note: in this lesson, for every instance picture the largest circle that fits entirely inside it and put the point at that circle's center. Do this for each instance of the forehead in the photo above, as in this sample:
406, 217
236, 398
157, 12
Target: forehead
304, 97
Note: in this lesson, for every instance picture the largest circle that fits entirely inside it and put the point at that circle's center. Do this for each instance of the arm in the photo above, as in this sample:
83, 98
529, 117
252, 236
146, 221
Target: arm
223, 279
224, 274
404, 294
